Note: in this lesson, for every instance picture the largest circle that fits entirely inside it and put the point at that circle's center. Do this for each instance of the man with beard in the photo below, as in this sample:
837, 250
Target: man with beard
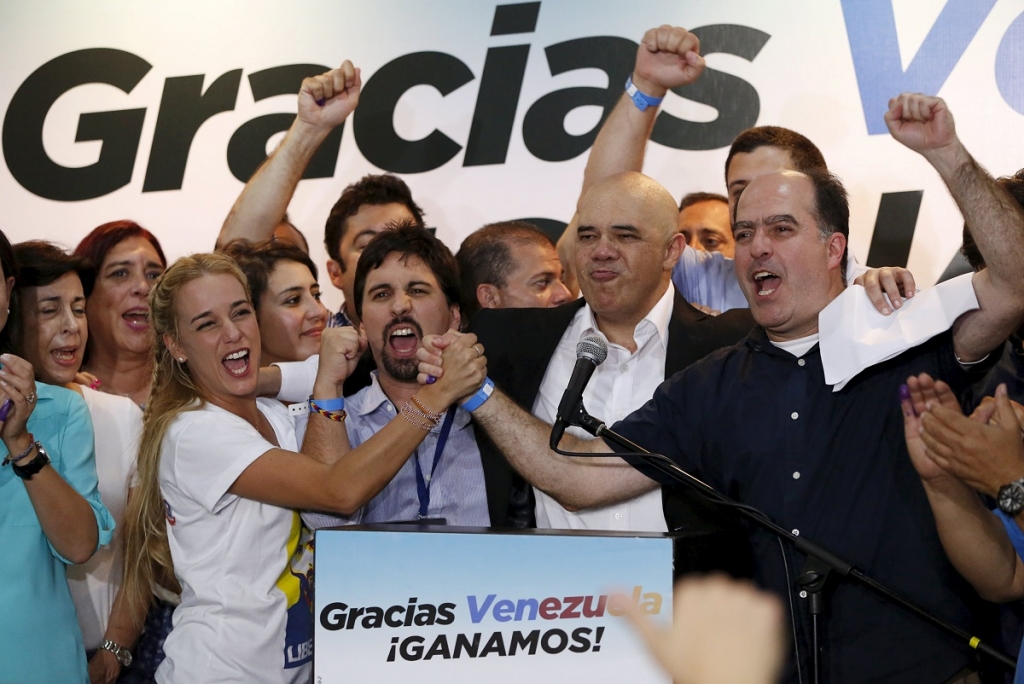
407, 286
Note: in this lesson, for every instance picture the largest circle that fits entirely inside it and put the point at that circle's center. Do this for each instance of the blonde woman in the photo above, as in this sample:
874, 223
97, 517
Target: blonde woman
220, 479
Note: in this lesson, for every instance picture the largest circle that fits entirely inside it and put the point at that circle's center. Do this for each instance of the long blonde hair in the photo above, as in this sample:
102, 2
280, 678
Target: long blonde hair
147, 556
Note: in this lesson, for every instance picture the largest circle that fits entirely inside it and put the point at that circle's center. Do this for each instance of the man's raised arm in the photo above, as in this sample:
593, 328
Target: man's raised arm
668, 57
325, 101
925, 125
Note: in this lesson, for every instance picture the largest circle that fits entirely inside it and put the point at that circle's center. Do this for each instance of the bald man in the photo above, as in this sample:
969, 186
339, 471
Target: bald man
626, 246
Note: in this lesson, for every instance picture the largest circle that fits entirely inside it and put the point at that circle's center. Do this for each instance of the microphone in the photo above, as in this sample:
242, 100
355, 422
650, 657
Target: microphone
590, 353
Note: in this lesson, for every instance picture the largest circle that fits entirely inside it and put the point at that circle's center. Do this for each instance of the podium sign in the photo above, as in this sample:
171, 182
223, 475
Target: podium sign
407, 604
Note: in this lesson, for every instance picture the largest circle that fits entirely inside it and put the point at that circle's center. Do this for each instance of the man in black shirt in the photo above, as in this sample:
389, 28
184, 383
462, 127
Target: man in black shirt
830, 465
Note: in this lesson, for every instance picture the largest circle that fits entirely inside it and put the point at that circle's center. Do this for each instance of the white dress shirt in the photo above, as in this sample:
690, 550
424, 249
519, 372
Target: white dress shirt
619, 386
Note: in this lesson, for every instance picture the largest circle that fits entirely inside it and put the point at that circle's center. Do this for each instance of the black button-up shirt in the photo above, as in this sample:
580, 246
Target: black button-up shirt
761, 426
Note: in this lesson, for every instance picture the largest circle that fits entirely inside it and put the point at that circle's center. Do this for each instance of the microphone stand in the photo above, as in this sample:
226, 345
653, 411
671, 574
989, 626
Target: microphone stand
820, 562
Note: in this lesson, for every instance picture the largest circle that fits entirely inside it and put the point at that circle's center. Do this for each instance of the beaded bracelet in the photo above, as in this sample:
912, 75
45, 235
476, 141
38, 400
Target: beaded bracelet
414, 416
338, 416
436, 417
23, 454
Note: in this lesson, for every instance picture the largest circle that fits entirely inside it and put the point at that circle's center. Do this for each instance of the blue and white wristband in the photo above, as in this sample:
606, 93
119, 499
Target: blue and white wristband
482, 395
337, 404
641, 100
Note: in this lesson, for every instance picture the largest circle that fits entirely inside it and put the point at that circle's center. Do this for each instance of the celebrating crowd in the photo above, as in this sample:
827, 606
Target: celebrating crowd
176, 432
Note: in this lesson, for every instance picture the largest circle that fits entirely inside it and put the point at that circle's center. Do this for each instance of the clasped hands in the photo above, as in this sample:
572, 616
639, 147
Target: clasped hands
458, 353
984, 450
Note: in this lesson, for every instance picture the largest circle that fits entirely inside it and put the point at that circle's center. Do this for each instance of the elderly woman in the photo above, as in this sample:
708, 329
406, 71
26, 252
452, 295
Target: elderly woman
50, 511
127, 260
220, 479
53, 336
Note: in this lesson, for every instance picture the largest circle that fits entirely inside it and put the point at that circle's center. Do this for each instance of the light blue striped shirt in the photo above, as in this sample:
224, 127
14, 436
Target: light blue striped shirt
457, 490
709, 279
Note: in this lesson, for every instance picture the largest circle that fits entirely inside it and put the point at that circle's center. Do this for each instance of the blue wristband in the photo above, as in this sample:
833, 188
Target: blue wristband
641, 100
329, 404
482, 395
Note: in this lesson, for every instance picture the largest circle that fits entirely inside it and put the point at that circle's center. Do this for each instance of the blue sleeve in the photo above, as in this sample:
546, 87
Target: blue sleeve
69, 442
709, 279
1012, 529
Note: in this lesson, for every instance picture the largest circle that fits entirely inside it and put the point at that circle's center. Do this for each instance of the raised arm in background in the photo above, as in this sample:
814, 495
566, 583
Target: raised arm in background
325, 101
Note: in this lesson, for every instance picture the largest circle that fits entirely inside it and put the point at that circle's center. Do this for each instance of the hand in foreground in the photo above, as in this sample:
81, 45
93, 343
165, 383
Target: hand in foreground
920, 122
668, 57
723, 631
464, 358
921, 392
17, 383
894, 282
340, 350
985, 451
326, 100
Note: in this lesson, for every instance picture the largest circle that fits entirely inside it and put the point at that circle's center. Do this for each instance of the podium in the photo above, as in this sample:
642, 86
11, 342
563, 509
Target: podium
426, 603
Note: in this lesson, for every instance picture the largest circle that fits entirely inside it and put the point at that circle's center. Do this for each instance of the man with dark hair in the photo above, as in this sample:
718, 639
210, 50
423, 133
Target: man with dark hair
705, 224
823, 458
362, 211
406, 286
763, 149
511, 264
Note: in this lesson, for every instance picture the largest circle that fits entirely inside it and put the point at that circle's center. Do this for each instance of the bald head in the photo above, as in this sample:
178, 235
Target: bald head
634, 197
626, 246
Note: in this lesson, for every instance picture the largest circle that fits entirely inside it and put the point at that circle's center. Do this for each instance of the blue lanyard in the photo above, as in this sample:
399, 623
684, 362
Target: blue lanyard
422, 484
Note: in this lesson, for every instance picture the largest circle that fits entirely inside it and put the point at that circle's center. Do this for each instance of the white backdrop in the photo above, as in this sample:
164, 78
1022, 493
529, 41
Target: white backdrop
805, 79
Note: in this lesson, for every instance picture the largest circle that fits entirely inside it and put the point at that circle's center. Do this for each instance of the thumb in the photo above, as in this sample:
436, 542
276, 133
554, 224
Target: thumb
1004, 410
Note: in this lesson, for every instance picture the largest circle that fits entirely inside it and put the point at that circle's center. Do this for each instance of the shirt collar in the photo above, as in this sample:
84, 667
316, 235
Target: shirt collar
371, 398
758, 340
655, 322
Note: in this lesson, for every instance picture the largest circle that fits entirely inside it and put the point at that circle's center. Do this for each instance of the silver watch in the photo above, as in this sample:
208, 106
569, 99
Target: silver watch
1010, 498
123, 655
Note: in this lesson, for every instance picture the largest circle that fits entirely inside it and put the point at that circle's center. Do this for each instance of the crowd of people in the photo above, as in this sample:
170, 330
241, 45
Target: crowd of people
175, 432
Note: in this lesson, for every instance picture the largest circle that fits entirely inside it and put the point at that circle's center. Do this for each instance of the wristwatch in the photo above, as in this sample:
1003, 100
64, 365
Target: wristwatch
123, 655
1011, 498
25, 472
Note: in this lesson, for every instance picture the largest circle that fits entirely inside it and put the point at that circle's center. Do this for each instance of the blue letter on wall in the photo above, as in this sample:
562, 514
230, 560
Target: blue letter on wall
871, 28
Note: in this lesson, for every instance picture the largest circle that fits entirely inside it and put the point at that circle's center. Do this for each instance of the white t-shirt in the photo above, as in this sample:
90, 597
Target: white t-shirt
117, 424
244, 566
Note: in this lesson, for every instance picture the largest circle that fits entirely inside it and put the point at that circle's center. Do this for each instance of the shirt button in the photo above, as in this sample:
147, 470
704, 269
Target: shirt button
618, 516
796, 533
623, 368
390, 408
794, 415
801, 362
796, 475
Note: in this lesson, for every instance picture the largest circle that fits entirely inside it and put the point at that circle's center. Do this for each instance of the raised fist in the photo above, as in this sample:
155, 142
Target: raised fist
326, 100
921, 122
668, 57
